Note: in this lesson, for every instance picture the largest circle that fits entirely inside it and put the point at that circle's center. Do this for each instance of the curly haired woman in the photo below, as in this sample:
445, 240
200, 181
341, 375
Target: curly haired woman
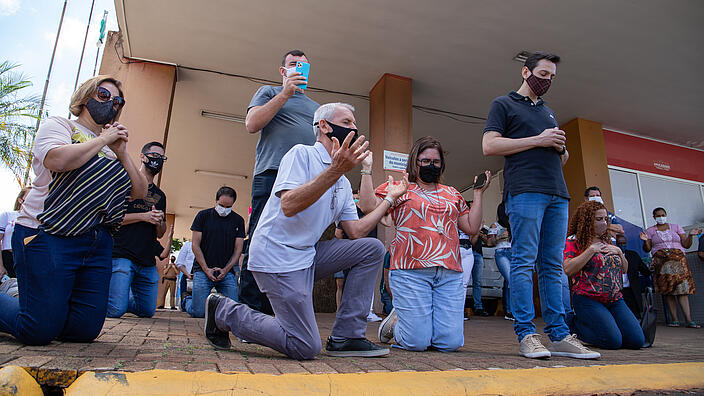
601, 317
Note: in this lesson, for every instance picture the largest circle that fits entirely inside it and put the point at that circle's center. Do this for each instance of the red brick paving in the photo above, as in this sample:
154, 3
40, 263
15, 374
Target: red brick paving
173, 340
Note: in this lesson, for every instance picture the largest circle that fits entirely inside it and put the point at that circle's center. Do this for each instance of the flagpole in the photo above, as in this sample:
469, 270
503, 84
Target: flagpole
46, 86
103, 24
83, 50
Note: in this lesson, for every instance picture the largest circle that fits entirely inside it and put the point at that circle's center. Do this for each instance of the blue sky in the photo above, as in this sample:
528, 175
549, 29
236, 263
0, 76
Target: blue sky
27, 33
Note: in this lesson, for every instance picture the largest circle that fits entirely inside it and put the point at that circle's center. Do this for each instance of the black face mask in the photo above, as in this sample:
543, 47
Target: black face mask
101, 112
154, 165
429, 173
341, 133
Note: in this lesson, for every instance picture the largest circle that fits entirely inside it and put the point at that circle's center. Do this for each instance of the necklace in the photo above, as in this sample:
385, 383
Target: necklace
438, 226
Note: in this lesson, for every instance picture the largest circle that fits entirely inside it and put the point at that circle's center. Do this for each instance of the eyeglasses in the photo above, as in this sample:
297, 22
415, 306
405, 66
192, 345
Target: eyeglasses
104, 95
154, 155
428, 161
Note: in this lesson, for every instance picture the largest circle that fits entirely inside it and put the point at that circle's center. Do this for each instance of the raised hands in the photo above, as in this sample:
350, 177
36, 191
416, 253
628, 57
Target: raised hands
346, 156
397, 188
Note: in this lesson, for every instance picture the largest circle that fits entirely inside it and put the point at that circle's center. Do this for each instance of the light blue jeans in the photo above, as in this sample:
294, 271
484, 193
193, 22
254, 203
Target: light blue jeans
477, 274
503, 263
195, 303
430, 307
539, 228
133, 289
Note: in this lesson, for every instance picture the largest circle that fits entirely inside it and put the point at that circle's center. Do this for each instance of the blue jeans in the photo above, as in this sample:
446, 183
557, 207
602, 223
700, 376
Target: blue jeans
503, 263
430, 307
477, 274
133, 289
608, 326
565, 284
63, 284
195, 304
539, 228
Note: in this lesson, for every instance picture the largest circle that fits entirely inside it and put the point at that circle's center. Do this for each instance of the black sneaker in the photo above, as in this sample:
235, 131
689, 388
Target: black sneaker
481, 312
509, 316
216, 337
354, 347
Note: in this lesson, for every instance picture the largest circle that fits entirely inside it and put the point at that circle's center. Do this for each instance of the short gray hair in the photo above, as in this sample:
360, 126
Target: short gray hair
326, 112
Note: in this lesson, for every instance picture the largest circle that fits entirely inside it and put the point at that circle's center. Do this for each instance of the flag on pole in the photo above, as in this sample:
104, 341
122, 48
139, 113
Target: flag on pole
103, 23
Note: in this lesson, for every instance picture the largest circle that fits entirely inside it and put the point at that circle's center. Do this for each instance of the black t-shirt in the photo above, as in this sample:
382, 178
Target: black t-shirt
477, 246
218, 239
135, 241
537, 170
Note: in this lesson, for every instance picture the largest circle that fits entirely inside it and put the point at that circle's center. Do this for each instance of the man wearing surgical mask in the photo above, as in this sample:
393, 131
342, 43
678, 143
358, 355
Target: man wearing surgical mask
283, 117
134, 280
218, 236
594, 194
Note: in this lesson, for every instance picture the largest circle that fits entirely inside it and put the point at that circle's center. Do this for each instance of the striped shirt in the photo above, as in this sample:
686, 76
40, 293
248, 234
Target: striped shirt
91, 195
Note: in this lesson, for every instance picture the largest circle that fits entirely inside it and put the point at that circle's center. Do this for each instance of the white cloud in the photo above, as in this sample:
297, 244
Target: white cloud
71, 39
9, 7
59, 98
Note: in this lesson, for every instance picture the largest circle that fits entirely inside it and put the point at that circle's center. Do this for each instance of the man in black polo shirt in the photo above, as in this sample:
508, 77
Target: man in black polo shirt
218, 235
134, 281
521, 128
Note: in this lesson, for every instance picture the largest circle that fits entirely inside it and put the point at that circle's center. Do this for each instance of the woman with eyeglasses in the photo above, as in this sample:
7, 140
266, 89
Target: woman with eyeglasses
426, 268
62, 242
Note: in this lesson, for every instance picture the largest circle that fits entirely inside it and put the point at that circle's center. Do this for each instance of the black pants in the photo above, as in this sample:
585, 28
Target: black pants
249, 292
9, 263
629, 296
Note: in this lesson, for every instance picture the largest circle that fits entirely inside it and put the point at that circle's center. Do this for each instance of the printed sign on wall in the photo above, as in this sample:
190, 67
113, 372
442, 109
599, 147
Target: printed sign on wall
395, 161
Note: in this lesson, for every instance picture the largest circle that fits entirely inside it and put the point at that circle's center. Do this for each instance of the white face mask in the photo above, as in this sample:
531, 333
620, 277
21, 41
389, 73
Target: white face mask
222, 211
661, 220
596, 198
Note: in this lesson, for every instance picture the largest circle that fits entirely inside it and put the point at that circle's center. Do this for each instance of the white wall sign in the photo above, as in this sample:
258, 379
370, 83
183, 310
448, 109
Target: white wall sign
395, 161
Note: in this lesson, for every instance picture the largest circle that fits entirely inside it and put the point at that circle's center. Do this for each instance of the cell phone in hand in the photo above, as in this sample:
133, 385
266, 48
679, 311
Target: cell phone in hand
481, 181
304, 69
216, 273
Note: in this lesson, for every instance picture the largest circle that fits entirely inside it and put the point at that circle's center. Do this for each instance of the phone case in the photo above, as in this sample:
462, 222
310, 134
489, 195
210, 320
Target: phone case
304, 69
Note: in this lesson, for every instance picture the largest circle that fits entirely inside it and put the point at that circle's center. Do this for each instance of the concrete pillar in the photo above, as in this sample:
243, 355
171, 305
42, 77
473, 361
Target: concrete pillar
587, 165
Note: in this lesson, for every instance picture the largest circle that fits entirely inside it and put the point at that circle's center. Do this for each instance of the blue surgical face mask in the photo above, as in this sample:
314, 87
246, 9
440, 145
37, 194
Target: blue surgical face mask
356, 200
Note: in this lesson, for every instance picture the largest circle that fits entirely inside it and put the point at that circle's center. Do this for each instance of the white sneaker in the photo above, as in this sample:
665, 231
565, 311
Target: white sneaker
571, 347
531, 347
386, 327
372, 317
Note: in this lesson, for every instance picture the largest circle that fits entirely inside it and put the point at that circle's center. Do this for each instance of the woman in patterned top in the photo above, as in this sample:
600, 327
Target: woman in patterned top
62, 243
426, 270
671, 273
596, 266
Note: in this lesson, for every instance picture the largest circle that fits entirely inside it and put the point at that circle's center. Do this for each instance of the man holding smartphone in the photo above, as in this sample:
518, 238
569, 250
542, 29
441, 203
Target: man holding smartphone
524, 130
218, 235
283, 116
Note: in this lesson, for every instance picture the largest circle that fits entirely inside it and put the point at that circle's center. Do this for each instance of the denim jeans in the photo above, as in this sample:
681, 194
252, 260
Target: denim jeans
63, 284
430, 307
503, 263
386, 301
249, 292
477, 274
195, 303
539, 228
133, 289
565, 284
608, 326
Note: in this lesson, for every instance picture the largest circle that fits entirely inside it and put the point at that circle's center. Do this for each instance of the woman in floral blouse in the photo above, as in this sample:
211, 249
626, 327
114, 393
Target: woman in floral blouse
596, 266
426, 269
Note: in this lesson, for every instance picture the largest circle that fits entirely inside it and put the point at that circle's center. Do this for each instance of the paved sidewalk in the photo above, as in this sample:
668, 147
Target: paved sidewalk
173, 340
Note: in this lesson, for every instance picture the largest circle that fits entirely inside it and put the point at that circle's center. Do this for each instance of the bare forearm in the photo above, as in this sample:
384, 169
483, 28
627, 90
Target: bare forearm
139, 183
161, 229
647, 245
362, 227
72, 156
367, 200
501, 146
131, 218
564, 157
300, 198
200, 258
573, 265
687, 242
258, 117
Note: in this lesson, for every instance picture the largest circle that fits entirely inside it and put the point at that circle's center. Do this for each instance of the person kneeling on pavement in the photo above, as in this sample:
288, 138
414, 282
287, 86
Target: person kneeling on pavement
601, 317
310, 193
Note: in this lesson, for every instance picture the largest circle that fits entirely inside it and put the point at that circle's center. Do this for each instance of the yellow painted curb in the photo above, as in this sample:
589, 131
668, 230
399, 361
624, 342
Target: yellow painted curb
15, 381
540, 381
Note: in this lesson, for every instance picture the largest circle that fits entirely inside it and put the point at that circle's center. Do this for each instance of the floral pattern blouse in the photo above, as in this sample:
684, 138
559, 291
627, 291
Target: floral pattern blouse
601, 277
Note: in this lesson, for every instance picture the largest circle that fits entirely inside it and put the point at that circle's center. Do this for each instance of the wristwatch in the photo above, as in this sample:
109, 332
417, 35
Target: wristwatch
564, 150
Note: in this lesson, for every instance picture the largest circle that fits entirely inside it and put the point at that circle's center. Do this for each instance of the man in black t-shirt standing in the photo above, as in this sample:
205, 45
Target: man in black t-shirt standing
134, 281
218, 235
522, 129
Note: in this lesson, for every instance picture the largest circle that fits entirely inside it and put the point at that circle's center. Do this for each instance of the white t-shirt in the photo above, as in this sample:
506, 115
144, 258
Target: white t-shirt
185, 257
53, 132
7, 226
284, 244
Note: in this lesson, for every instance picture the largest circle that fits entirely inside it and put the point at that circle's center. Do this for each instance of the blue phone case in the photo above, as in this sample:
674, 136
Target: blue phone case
304, 69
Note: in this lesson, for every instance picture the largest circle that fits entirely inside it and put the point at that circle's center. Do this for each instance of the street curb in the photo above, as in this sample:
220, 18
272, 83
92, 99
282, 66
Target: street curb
16, 381
537, 381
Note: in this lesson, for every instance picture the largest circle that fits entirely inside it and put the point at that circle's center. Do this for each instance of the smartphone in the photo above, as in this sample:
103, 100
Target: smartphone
304, 69
216, 273
481, 181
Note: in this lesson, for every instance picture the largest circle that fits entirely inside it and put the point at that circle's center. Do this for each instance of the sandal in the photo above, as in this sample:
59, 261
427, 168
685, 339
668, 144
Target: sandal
692, 325
673, 324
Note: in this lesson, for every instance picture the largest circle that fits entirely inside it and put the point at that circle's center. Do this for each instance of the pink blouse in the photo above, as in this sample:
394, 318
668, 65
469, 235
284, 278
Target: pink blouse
668, 239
